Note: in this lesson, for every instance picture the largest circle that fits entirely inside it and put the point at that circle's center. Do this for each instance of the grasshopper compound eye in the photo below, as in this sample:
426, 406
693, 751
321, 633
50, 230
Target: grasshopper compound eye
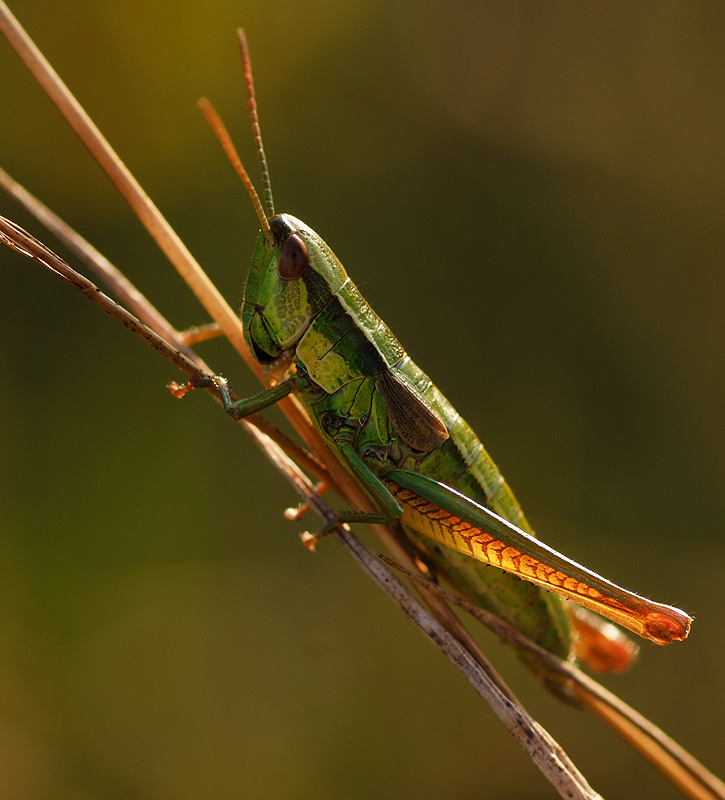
293, 258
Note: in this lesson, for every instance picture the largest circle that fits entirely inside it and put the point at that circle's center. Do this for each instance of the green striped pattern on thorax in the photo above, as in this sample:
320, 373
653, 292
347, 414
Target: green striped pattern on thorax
346, 341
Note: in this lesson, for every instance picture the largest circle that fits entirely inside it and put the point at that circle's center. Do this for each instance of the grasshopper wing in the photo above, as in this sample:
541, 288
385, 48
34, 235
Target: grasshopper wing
415, 421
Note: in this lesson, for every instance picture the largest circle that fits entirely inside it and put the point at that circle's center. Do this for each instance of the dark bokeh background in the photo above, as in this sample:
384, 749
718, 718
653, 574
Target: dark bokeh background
532, 195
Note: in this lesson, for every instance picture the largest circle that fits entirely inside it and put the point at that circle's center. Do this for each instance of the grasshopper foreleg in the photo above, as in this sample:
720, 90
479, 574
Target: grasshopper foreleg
238, 409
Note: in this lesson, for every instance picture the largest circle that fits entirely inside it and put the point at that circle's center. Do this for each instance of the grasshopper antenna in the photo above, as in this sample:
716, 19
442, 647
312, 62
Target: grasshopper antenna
249, 80
219, 128
225, 139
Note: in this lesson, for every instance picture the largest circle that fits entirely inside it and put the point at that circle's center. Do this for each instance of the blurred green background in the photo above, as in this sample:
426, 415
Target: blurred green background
531, 194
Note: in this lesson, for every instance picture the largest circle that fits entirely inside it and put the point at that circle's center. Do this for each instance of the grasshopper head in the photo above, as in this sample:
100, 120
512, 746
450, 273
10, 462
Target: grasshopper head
291, 279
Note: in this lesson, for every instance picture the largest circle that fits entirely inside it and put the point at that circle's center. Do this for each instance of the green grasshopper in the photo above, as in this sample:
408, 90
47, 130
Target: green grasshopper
403, 442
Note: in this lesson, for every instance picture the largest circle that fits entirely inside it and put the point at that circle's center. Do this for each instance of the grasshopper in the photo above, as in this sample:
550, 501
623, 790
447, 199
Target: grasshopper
399, 438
